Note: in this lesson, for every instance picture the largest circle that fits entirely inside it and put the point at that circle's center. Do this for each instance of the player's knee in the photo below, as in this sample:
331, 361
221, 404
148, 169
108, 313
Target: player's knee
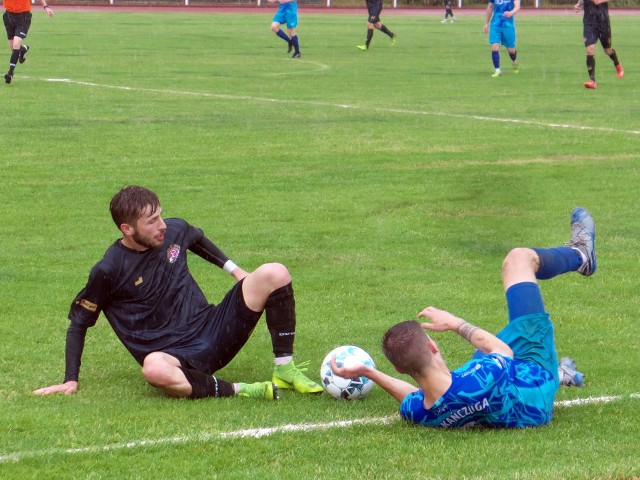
518, 257
278, 274
155, 369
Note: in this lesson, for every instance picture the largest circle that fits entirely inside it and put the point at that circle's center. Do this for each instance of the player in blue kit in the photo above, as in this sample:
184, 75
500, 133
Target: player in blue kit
287, 14
512, 379
500, 24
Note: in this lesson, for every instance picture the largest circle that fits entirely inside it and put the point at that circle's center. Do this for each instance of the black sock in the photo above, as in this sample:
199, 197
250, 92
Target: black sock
614, 57
591, 67
204, 385
15, 54
369, 37
384, 29
281, 320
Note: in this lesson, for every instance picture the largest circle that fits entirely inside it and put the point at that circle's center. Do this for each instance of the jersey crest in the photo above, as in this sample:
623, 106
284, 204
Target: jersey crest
173, 252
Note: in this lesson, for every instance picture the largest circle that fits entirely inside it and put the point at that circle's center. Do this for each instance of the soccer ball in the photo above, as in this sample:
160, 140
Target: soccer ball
346, 388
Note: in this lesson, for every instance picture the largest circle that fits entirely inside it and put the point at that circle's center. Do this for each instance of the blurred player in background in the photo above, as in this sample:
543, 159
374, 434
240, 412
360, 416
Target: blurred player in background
287, 14
158, 311
512, 379
597, 26
448, 12
501, 27
374, 8
17, 21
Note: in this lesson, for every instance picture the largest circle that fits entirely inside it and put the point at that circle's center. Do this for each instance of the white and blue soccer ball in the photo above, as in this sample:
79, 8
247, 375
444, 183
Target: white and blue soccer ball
346, 388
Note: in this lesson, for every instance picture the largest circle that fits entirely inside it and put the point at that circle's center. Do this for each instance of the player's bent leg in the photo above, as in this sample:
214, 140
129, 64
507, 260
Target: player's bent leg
264, 280
163, 371
520, 265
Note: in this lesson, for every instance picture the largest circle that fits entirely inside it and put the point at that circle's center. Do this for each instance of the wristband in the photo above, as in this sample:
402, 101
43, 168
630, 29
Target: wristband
45, 7
229, 266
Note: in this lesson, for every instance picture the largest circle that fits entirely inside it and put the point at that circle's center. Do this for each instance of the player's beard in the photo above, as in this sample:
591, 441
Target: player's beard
147, 242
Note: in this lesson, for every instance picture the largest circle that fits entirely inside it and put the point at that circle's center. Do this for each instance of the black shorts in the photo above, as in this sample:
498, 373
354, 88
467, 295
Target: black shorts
229, 326
374, 7
597, 31
17, 24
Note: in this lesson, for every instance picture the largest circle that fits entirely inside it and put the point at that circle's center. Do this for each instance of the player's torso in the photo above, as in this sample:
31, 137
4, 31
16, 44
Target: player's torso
595, 14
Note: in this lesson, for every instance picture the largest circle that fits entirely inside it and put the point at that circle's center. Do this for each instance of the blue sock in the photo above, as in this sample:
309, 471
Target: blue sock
283, 36
556, 261
495, 56
513, 56
296, 45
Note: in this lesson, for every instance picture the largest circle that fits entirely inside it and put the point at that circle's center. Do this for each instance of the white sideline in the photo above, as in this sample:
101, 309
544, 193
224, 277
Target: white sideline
355, 107
255, 432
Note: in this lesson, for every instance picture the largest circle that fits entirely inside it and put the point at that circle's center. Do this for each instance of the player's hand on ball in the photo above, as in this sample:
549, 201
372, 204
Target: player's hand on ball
67, 388
348, 369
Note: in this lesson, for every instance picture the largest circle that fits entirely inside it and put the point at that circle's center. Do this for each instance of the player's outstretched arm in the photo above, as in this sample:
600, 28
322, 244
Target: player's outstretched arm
442, 321
395, 387
68, 388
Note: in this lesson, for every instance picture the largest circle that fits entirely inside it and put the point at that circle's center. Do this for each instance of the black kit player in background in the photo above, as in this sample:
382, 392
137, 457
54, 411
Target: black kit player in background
597, 26
374, 8
145, 290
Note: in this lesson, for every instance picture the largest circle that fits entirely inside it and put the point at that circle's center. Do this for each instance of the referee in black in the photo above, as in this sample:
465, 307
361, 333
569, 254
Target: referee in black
154, 305
597, 26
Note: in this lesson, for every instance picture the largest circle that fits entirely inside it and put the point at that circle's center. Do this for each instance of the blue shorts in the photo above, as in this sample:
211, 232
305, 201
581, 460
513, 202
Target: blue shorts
287, 13
529, 332
503, 31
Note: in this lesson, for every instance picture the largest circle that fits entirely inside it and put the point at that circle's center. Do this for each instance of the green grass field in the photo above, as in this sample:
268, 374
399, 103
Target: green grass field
386, 181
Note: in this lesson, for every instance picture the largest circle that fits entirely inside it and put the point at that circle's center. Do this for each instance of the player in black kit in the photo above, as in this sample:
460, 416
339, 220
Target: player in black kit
374, 8
145, 290
597, 26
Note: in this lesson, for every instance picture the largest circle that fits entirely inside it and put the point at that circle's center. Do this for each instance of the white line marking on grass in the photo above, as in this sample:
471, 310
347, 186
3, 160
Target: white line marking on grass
202, 437
255, 432
355, 107
322, 67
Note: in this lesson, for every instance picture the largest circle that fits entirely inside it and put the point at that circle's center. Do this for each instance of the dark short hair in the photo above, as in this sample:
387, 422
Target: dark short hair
406, 346
129, 203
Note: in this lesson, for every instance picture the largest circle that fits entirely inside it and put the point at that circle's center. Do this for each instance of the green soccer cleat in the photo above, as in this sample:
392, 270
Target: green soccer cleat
265, 390
364, 48
289, 376
497, 74
516, 67
393, 40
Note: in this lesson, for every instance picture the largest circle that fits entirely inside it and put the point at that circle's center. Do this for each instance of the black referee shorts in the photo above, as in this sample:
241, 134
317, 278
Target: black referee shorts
17, 24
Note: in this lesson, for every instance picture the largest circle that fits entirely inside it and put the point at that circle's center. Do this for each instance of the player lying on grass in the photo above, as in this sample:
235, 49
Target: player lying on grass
512, 379
145, 290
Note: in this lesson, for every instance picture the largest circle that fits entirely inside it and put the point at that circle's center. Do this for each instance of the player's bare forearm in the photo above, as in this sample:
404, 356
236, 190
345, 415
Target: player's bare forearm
395, 387
483, 340
442, 321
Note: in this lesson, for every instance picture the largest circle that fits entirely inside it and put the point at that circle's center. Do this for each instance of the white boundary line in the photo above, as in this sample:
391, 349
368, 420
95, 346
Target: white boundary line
256, 432
355, 107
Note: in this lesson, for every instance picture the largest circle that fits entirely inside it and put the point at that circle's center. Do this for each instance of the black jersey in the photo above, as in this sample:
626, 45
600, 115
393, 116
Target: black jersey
595, 14
150, 298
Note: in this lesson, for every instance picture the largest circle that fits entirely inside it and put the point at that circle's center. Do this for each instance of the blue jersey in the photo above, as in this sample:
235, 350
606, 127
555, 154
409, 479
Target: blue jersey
499, 7
492, 390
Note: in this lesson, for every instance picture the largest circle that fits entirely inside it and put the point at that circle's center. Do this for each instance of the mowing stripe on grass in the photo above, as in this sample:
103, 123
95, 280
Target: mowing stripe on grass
256, 432
355, 107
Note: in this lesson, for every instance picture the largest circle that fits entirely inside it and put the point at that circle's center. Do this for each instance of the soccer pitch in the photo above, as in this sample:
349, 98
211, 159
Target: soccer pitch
386, 181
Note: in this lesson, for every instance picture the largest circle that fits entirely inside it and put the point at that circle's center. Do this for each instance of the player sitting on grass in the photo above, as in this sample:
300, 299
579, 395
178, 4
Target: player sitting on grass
145, 289
512, 379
